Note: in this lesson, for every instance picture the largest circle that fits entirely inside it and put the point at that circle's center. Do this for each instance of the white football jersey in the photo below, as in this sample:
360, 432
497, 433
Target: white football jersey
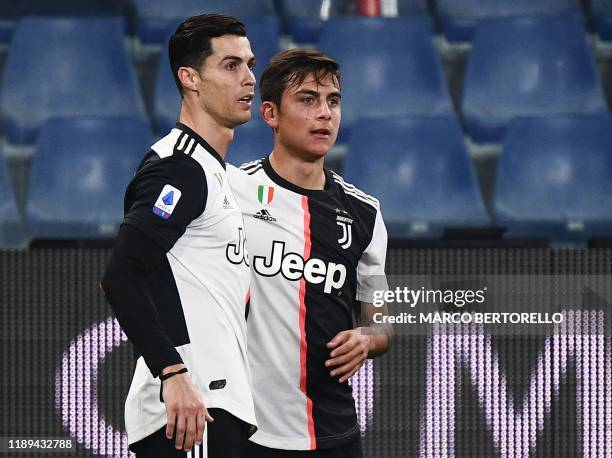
312, 253
180, 197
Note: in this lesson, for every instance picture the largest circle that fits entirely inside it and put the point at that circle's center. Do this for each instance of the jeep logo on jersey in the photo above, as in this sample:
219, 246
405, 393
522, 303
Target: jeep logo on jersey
237, 253
292, 267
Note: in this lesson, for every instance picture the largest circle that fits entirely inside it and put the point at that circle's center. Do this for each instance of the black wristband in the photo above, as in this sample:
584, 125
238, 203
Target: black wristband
166, 377
172, 374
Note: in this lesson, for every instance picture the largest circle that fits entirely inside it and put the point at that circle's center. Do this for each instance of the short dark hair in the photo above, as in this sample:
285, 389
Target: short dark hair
290, 68
190, 45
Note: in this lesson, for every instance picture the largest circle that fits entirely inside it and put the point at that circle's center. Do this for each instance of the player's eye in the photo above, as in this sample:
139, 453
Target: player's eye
308, 100
334, 102
230, 66
251, 65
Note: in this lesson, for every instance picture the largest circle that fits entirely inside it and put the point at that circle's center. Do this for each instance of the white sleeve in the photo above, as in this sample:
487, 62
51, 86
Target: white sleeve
371, 268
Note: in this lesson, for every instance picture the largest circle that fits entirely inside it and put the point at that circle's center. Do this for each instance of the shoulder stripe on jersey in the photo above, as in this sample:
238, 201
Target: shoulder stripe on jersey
180, 142
357, 192
185, 144
351, 187
373, 203
249, 165
376, 205
353, 191
254, 170
192, 147
188, 144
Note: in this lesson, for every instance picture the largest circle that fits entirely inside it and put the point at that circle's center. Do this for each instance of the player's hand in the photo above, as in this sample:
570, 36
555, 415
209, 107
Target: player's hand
350, 350
185, 409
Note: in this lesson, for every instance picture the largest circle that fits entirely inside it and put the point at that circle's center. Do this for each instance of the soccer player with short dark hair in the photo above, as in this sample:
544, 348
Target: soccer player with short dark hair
317, 249
178, 276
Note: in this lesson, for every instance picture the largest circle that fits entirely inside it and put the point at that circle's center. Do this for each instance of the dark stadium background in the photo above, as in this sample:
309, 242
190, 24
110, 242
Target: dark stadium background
66, 368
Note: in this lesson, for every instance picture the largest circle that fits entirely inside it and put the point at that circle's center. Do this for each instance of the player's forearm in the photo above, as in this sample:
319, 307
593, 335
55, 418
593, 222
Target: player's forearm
123, 285
380, 334
380, 340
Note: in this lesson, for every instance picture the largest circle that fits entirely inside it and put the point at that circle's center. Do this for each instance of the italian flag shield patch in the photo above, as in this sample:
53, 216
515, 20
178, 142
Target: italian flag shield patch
265, 194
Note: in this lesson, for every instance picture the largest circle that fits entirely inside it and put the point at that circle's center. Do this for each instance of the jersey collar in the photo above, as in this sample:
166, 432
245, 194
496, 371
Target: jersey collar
203, 143
276, 178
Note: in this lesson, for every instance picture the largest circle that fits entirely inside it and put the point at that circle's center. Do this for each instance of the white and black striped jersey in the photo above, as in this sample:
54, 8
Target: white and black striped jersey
191, 303
313, 253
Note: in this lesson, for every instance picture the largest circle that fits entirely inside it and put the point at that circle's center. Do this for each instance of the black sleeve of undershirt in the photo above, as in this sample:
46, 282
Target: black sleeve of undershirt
180, 183
124, 284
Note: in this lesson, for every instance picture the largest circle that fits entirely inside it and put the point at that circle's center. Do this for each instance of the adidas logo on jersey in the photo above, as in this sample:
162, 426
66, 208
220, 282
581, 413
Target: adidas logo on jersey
265, 215
226, 203
293, 267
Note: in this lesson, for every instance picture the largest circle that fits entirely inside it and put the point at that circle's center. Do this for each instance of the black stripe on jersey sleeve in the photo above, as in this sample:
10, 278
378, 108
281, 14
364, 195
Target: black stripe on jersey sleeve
127, 285
197, 139
182, 173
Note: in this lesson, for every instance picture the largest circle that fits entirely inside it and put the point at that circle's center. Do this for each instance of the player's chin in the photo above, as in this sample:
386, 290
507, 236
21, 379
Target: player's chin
317, 153
322, 148
242, 118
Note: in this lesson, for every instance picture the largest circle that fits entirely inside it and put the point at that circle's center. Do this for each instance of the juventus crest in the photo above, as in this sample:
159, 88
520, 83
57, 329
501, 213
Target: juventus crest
346, 228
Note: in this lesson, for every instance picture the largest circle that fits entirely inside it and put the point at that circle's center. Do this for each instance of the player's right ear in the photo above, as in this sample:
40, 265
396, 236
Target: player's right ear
269, 113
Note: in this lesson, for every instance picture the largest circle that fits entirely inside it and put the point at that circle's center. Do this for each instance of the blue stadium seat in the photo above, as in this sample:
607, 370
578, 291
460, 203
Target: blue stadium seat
264, 35
11, 12
420, 171
252, 140
601, 11
528, 67
64, 67
554, 178
304, 19
12, 233
405, 7
79, 173
459, 18
156, 16
390, 67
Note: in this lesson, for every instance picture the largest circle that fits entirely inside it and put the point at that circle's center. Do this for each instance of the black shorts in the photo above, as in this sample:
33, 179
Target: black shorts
350, 450
227, 438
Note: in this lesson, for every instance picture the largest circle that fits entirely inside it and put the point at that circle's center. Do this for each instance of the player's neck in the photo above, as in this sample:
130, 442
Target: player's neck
217, 136
302, 173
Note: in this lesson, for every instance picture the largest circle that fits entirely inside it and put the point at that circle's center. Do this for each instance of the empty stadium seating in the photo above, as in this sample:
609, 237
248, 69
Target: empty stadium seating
601, 11
252, 140
11, 229
459, 18
263, 34
304, 19
79, 174
420, 171
11, 12
64, 67
555, 178
528, 66
405, 7
389, 65
156, 16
